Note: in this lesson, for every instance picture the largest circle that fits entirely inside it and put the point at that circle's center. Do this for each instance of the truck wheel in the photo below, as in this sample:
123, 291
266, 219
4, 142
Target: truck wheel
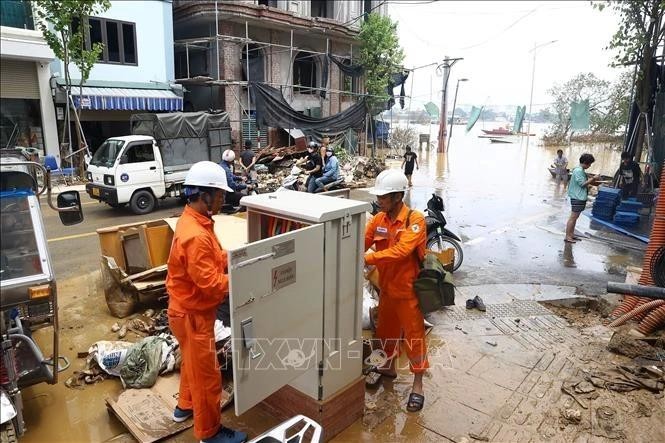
142, 202
8, 433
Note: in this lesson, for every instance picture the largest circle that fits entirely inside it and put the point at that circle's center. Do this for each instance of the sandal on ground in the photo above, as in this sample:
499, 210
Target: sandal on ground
373, 377
415, 403
570, 241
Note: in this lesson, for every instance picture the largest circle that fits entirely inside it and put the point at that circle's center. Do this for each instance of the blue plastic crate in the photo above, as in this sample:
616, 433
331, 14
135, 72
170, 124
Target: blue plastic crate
608, 190
629, 206
626, 217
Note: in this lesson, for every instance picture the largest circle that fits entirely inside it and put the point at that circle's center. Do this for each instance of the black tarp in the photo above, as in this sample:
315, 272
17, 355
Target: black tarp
396, 79
178, 124
273, 110
344, 65
657, 72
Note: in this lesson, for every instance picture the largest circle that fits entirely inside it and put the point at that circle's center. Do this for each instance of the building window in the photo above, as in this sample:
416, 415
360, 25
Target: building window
16, 14
322, 8
367, 7
118, 38
269, 3
304, 73
21, 124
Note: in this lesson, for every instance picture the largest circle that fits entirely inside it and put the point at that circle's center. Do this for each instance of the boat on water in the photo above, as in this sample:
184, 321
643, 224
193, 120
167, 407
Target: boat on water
605, 179
498, 131
502, 140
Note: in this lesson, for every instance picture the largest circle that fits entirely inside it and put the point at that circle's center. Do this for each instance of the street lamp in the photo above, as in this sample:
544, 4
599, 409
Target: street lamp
452, 117
533, 75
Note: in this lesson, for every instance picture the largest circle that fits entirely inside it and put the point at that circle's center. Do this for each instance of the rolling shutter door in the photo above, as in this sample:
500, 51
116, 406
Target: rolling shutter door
18, 79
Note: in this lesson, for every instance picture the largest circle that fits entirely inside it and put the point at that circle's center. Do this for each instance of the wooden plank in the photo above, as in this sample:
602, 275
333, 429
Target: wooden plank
110, 244
145, 274
147, 413
158, 243
136, 256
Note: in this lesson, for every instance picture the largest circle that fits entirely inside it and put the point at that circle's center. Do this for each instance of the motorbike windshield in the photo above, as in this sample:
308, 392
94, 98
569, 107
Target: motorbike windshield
107, 153
19, 255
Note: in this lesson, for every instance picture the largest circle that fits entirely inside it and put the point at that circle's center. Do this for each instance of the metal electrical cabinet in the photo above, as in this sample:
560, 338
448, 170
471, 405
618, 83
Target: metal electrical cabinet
296, 296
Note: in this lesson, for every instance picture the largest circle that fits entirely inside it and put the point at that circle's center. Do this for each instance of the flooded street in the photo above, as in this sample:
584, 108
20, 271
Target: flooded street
510, 214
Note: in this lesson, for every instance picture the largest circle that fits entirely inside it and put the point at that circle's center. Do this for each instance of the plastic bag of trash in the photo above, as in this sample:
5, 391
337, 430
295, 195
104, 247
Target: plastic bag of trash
369, 301
221, 332
110, 355
147, 359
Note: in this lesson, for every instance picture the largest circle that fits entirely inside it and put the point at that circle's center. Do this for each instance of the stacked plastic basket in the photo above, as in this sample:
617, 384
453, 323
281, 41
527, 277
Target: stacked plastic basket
627, 213
606, 203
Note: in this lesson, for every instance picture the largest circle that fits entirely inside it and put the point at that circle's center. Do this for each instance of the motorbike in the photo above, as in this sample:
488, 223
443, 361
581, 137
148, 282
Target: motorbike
292, 181
439, 238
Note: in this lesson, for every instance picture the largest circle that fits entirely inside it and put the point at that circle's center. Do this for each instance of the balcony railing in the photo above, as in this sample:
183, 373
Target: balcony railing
16, 14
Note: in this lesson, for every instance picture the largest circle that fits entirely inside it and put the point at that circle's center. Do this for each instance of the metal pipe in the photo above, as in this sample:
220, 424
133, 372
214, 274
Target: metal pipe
187, 58
217, 39
639, 290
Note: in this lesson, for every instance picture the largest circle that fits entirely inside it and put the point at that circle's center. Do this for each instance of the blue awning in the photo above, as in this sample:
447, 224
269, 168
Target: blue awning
125, 99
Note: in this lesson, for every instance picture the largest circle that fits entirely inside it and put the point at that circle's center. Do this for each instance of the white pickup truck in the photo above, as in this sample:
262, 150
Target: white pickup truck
152, 163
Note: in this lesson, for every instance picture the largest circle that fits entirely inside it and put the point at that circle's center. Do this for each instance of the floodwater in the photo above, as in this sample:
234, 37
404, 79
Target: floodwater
499, 198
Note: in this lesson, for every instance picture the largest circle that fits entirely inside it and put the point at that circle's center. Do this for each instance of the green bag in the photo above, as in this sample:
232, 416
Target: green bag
434, 286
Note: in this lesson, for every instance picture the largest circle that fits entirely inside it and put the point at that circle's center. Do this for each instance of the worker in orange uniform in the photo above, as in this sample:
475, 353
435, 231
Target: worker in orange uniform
399, 236
197, 282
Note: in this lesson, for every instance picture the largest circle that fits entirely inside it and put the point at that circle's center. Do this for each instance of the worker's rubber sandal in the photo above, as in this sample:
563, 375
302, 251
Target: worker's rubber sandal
415, 403
470, 304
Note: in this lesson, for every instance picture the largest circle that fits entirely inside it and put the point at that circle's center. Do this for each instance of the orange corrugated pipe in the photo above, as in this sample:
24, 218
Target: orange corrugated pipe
653, 321
656, 241
637, 311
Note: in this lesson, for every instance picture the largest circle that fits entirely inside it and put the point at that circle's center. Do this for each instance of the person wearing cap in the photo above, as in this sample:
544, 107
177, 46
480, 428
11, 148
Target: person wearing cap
313, 165
197, 283
398, 235
330, 170
234, 181
248, 160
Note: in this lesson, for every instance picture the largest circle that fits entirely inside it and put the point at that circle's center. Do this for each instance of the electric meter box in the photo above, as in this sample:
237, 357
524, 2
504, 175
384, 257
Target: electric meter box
296, 296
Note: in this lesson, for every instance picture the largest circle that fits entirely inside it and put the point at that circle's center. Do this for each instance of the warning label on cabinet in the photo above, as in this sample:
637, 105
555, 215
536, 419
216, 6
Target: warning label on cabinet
283, 275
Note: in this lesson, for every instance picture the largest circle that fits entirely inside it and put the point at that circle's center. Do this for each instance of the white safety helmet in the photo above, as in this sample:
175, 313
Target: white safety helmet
228, 155
207, 174
389, 181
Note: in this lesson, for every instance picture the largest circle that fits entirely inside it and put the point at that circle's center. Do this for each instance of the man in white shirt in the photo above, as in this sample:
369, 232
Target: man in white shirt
560, 167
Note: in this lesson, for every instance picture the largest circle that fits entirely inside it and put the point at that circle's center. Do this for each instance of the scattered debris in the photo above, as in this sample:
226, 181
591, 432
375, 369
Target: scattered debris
459, 328
491, 342
625, 379
478, 437
573, 416
633, 348
605, 424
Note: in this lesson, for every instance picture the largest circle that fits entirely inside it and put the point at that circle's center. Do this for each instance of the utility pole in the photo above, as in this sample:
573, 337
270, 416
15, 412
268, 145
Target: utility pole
533, 76
452, 117
443, 117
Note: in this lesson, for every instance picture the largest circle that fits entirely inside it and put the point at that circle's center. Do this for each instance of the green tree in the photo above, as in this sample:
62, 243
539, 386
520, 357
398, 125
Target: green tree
64, 24
584, 86
641, 31
380, 55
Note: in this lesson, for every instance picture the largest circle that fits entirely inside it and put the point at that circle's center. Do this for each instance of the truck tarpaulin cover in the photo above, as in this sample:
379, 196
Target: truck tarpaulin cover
178, 124
185, 138
272, 110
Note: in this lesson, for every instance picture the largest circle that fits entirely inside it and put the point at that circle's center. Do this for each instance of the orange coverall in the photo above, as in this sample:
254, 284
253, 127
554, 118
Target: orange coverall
197, 282
399, 250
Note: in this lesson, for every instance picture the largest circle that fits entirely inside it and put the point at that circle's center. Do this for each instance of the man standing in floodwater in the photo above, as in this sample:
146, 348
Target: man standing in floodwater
578, 191
560, 167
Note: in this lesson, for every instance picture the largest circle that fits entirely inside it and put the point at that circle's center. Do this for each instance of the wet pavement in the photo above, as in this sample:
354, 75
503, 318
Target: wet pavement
492, 376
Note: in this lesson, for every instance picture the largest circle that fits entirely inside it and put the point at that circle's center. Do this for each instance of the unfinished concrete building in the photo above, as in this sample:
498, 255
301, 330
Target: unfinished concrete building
220, 45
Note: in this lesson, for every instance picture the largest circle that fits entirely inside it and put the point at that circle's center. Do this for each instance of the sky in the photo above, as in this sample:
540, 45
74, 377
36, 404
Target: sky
496, 39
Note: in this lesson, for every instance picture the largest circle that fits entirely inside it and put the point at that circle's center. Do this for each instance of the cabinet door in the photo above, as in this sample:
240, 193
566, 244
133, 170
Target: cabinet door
276, 290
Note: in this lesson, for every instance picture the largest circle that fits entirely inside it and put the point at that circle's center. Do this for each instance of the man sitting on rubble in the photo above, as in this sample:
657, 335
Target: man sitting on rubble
234, 182
248, 160
330, 170
197, 282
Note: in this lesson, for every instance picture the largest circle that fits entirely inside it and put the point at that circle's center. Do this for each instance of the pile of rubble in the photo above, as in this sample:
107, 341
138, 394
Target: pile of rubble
275, 165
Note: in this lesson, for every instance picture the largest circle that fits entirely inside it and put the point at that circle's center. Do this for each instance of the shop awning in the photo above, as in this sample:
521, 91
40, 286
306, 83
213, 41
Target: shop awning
126, 99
